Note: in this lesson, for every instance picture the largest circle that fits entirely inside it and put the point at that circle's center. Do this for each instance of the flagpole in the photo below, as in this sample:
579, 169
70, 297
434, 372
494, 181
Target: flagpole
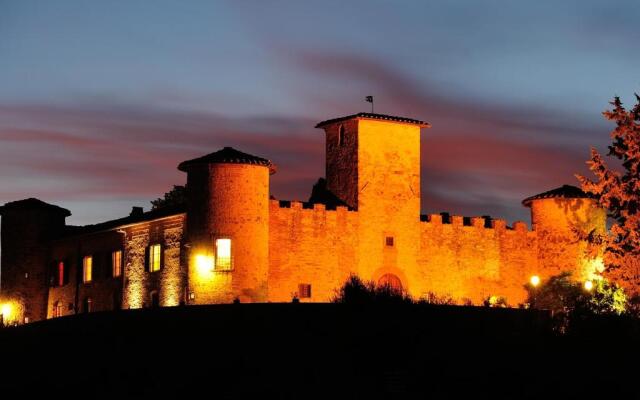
369, 99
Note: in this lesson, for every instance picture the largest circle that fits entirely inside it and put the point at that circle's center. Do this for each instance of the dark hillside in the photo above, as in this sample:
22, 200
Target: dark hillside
302, 351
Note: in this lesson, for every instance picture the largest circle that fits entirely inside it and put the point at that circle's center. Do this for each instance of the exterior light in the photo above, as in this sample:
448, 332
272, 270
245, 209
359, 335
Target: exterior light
535, 280
6, 311
588, 285
204, 263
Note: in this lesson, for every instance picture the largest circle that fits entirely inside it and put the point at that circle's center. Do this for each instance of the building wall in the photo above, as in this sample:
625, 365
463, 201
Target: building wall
475, 262
310, 246
170, 281
25, 259
104, 290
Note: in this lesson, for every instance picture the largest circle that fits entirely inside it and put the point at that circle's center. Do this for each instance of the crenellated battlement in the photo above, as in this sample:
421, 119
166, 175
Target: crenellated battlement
483, 222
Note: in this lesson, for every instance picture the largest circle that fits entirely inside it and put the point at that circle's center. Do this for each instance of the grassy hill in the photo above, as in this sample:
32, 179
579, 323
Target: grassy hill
303, 351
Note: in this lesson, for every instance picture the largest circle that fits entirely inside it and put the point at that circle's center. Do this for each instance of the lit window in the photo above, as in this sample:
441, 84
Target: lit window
155, 252
389, 241
304, 290
60, 273
116, 263
223, 254
87, 269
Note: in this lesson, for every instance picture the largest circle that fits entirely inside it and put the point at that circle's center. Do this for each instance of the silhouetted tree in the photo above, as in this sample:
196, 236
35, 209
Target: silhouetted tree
175, 197
618, 191
355, 291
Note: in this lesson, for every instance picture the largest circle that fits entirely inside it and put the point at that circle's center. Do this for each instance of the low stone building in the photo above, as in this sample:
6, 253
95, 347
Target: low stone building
232, 242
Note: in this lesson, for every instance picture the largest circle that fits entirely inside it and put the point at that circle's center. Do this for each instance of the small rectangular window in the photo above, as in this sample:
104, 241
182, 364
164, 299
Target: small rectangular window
61, 273
155, 254
223, 255
87, 269
389, 241
304, 290
116, 263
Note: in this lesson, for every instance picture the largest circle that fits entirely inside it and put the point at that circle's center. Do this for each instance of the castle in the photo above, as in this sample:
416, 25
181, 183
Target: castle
232, 242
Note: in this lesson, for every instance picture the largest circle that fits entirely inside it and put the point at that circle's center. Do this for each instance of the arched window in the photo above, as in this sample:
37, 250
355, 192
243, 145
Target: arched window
391, 281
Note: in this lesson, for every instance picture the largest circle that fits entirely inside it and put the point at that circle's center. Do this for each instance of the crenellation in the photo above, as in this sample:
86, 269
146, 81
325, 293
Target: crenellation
457, 220
520, 226
478, 222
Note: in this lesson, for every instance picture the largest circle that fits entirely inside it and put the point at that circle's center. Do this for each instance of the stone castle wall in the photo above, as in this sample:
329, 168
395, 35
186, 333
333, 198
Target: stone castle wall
475, 261
170, 281
310, 246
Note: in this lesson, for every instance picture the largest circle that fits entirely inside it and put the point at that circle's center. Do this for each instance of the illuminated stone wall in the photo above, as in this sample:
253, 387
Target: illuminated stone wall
310, 246
320, 248
170, 280
474, 262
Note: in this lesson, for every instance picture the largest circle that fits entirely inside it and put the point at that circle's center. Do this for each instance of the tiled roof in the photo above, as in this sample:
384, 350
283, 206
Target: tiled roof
227, 155
33, 203
383, 117
565, 191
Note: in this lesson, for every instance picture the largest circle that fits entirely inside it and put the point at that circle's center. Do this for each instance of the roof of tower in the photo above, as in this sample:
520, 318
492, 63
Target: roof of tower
382, 117
32, 203
228, 155
563, 192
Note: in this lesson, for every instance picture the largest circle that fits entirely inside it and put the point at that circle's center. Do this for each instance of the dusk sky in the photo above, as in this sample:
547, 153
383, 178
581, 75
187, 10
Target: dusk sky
100, 100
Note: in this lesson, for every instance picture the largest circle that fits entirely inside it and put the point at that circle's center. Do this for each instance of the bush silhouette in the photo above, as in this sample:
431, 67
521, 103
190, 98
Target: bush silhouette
355, 291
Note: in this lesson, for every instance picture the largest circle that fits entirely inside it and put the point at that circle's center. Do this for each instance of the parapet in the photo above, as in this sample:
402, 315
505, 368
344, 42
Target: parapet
478, 222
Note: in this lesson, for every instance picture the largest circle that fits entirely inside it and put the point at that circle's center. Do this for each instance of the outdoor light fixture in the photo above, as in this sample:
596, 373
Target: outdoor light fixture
588, 285
535, 280
6, 311
204, 263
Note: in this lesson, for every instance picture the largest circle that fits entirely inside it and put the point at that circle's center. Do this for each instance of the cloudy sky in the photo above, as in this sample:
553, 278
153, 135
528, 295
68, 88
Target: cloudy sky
99, 101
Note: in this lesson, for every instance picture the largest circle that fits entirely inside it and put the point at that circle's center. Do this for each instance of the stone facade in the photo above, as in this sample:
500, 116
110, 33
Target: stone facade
278, 250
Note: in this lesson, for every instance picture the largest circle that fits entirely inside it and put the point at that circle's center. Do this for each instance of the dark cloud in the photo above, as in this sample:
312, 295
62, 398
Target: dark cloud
112, 151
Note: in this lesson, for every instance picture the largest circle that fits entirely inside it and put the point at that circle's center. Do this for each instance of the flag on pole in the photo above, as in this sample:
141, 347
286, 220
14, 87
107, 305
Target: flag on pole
369, 99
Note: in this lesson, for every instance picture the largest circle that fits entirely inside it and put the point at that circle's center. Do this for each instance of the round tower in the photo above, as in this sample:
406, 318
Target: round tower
228, 227
564, 219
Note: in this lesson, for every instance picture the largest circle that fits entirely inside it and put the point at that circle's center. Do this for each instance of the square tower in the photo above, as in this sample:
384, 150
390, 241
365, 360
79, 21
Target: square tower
373, 165
373, 160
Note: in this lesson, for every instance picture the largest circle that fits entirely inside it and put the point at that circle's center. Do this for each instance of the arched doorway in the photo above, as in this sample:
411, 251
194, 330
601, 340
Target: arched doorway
390, 280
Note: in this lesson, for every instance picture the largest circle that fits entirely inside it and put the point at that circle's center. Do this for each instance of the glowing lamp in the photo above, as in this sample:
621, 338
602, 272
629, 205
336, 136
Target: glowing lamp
535, 280
588, 285
204, 263
6, 311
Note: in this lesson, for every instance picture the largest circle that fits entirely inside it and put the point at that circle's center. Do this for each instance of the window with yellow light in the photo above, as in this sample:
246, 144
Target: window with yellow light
223, 255
87, 269
155, 254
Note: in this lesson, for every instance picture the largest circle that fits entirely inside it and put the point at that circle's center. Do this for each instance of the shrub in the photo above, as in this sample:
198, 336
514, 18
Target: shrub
495, 301
433, 298
355, 291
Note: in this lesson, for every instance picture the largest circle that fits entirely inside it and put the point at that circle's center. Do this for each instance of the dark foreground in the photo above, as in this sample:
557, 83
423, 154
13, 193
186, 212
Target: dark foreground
319, 351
